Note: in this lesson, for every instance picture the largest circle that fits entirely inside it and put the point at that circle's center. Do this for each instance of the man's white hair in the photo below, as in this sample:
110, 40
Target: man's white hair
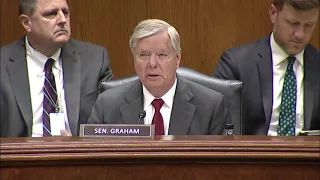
150, 27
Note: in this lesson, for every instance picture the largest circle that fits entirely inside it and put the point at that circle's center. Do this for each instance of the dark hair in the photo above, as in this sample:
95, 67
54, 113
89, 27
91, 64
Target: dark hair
302, 5
27, 6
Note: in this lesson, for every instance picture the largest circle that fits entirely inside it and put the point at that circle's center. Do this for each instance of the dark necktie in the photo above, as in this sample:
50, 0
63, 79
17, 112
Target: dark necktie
49, 97
157, 118
287, 117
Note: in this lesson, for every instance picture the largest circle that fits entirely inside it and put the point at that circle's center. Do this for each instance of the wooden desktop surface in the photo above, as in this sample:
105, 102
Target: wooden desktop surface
165, 157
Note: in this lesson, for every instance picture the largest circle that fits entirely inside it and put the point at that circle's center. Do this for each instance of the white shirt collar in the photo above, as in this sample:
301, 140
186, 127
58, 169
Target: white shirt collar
167, 98
39, 59
280, 55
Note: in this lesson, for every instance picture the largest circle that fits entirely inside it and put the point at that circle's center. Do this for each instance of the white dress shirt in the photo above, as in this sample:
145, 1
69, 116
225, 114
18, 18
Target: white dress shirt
36, 74
279, 65
165, 109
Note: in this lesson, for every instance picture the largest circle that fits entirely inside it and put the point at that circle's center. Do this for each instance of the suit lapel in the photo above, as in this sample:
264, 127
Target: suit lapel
18, 75
134, 99
311, 75
182, 111
72, 80
264, 65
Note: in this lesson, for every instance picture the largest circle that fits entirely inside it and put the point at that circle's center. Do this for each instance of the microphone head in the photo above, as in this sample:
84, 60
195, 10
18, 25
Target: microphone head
142, 114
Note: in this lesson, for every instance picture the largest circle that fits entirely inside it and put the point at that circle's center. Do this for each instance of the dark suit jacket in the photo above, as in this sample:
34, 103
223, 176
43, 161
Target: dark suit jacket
196, 109
84, 66
252, 64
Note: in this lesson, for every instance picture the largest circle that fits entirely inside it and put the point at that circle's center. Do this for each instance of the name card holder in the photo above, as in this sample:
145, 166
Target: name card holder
310, 133
117, 130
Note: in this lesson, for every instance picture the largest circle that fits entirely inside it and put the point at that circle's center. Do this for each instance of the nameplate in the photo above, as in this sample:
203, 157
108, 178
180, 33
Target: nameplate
310, 133
117, 130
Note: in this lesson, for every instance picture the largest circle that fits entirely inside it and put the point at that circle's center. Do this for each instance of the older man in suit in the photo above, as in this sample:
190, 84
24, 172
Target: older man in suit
48, 82
176, 106
280, 72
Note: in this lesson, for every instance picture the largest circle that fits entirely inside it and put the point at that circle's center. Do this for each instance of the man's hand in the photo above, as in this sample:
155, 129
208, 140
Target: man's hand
63, 132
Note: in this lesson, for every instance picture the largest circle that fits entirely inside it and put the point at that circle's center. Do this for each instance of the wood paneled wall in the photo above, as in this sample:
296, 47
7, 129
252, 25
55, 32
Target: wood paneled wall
206, 27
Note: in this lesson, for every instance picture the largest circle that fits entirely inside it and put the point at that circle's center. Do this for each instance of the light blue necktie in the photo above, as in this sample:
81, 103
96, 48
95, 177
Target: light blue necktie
287, 117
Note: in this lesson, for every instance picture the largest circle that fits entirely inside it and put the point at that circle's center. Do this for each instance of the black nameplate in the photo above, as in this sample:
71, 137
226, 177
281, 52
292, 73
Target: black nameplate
117, 130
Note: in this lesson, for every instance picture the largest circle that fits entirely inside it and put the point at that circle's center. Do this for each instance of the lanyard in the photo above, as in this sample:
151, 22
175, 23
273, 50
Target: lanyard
59, 87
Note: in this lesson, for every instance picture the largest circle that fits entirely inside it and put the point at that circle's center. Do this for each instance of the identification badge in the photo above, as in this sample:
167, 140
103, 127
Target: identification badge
57, 123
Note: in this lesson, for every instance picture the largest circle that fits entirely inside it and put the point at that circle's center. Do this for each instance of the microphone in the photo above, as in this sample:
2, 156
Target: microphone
142, 114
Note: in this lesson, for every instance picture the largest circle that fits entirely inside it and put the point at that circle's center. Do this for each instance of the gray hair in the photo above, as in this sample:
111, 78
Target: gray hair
150, 27
27, 6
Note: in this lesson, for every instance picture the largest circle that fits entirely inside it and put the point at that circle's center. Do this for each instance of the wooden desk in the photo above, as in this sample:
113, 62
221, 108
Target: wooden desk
166, 157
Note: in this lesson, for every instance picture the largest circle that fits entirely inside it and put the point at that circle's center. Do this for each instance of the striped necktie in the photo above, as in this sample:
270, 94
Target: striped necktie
49, 97
287, 117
